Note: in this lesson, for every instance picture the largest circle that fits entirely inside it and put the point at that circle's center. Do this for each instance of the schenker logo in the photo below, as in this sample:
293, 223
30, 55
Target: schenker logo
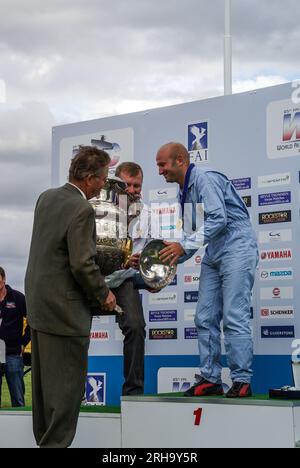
269, 255
277, 313
191, 279
275, 217
163, 334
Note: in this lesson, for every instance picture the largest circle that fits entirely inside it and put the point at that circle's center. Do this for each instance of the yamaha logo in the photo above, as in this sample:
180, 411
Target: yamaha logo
268, 255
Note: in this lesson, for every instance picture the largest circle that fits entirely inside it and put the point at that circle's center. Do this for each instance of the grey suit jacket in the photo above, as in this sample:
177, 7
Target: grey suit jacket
62, 278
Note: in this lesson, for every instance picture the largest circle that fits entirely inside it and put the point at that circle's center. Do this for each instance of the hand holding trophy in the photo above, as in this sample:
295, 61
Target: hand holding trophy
156, 273
114, 246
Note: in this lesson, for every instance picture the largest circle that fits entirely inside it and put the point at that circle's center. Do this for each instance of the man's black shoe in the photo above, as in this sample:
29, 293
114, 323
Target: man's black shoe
205, 388
240, 390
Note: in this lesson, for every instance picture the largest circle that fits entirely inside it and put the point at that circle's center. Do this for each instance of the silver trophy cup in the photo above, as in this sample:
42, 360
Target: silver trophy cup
112, 208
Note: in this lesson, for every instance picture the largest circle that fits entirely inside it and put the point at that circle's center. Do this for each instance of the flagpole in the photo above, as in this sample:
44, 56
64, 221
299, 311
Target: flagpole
227, 50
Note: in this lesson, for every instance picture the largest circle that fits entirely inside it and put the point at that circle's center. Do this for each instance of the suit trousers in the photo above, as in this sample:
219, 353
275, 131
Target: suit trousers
132, 324
59, 369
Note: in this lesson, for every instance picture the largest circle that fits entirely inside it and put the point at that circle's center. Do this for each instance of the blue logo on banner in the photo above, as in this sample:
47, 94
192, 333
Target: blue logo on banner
279, 198
163, 316
179, 387
95, 389
278, 332
190, 334
281, 274
242, 184
174, 282
198, 136
191, 297
171, 227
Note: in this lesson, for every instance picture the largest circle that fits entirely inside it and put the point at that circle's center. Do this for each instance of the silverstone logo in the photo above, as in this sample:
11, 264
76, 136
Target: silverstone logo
277, 332
191, 297
275, 217
163, 334
174, 281
198, 142
269, 255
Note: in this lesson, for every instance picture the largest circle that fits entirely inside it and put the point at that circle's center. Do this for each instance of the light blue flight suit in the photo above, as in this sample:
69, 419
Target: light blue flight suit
227, 274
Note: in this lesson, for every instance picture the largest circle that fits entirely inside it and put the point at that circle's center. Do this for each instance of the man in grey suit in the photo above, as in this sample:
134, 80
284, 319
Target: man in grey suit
62, 281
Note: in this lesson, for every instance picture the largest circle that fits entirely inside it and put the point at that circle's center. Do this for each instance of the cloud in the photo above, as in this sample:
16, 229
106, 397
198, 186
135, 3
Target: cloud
25, 148
89, 58
15, 235
26, 134
70, 60
240, 86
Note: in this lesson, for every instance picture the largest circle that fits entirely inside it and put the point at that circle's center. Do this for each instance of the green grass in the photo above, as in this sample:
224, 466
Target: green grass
6, 403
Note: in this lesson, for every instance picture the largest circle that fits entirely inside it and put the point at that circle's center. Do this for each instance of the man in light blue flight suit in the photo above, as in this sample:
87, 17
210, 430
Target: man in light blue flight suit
227, 273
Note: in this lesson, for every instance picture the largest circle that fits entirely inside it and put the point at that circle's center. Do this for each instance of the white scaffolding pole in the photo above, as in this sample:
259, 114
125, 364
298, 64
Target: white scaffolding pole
227, 50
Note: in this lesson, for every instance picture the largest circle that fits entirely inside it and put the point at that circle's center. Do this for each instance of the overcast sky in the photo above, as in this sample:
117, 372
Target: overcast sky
70, 60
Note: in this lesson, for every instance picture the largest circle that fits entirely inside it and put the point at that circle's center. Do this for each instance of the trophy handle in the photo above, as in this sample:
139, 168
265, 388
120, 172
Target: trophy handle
127, 248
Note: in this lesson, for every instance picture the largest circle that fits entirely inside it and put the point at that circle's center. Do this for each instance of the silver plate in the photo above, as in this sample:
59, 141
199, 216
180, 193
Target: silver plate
156, 274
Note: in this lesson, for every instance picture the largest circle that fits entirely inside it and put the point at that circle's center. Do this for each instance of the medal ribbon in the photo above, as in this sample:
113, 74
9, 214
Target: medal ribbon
185, 188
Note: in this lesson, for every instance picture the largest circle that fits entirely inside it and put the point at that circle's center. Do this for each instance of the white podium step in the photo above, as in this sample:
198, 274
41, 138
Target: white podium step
94, 430
173, 422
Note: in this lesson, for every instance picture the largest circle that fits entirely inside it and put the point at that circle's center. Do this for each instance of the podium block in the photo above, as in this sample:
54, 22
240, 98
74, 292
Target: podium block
172, 422
94, 430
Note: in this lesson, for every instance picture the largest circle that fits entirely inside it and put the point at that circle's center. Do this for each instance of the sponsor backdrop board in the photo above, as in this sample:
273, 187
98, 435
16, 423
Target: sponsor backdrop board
255, 139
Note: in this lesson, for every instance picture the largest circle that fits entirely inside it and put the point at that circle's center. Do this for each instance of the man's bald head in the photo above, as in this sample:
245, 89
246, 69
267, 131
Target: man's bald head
176, 151
173, 161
